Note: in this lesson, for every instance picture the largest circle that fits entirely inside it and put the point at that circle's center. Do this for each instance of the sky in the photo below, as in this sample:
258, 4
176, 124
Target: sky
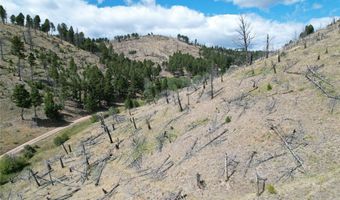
211, 22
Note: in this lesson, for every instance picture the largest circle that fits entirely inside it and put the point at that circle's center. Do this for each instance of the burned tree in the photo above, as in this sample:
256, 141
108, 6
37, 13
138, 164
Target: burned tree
245, 35
179, 102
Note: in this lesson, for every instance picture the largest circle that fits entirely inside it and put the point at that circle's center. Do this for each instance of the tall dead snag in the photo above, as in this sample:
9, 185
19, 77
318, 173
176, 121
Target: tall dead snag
188, 99
179, 102
85, 156
260, 184
34, 177
267, 46
278, 58
134, 122
200, 183
229, 167
245, 36
212, 81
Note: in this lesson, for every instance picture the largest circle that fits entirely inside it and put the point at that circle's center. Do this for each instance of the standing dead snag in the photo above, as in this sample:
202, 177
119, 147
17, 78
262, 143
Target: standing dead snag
1, 50
245, 35
69, 148
260, 184
106, 129
267, 46
61, 162
274, 67
229, 167
84, 154
200, 183
249, 162
148, 123
134, 122
179, 102
212, 81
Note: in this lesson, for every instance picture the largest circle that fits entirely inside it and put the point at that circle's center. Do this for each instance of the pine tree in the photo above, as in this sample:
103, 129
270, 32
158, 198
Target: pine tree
36, 98
13, 19
21, 98
36, 22
20, 19
29, 21
46, 26
17, 50
3, 14
51, 108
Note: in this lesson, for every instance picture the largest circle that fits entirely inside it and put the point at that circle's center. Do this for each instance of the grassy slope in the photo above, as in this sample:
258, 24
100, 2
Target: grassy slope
298, 106
13, 131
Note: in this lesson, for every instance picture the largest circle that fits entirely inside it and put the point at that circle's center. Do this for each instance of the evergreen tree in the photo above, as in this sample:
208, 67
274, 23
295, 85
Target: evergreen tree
36, 98
52, 28
17, 50
51, 108
13, 19
70, 35
3, 14
36, 22
20, 19
21, 98
29, 21
108, 86
46, 27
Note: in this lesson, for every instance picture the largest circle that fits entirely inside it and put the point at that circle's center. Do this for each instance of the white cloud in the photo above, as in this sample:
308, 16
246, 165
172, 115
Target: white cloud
260, 3
316, 6
146, 16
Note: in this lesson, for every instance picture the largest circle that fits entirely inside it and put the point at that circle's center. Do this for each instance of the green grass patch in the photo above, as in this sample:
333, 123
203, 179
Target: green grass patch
269, 87
227, 119
271, 189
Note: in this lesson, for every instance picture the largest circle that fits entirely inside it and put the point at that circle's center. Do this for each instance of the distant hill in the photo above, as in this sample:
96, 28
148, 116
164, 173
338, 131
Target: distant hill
156, 48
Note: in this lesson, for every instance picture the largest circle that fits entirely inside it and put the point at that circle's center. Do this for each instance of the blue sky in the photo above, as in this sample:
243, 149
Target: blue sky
211, 22
301, 11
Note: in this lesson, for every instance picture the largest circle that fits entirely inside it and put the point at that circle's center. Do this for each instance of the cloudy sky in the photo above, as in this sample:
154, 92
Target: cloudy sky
211, 22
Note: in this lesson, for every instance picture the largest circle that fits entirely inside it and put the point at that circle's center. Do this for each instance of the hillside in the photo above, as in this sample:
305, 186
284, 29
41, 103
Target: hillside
14, 131
272, 125
156, 48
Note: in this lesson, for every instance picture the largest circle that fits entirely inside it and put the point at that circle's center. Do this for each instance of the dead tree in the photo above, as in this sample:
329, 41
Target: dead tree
188, 99
260, 184
63, 145
1, 50
179, 102
274, 67
85, 156
49, 169
278, 58
212, 81
134, 122
61, 162
34, 177
200, 183
267, 46
250, 161
69, 148
229, 167
245, 36
106, 129
148, 123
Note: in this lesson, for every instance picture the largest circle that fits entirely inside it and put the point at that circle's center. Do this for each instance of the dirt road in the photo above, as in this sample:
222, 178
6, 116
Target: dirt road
43, 136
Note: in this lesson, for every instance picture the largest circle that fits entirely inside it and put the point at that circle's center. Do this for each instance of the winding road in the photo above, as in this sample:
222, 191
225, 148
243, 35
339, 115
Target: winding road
43, 136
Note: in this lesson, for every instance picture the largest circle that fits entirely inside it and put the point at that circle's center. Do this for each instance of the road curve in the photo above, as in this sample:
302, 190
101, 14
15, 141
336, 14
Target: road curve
43, 136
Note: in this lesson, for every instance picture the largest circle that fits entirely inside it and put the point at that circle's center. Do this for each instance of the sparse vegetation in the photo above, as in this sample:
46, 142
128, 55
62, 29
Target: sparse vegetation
227, 119
271, 189
269, 87
59, 140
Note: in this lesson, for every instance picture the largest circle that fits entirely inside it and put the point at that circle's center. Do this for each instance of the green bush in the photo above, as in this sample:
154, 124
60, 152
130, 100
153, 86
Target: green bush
9, 165
29, 151
269, 87
271, 189
228, 119
94, 118
59, 140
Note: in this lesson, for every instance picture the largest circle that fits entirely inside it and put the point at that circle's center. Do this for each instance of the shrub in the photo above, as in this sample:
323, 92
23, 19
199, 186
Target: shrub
94, 118
271, 189
59, 140
269, 87
228, 119
29, 151
10, 164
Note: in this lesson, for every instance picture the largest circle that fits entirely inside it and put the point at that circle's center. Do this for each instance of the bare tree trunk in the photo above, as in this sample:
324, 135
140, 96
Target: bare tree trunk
166, 96
35, 112
179, 102
1, 50
212, 82
22, 114
267, 46
19, 69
